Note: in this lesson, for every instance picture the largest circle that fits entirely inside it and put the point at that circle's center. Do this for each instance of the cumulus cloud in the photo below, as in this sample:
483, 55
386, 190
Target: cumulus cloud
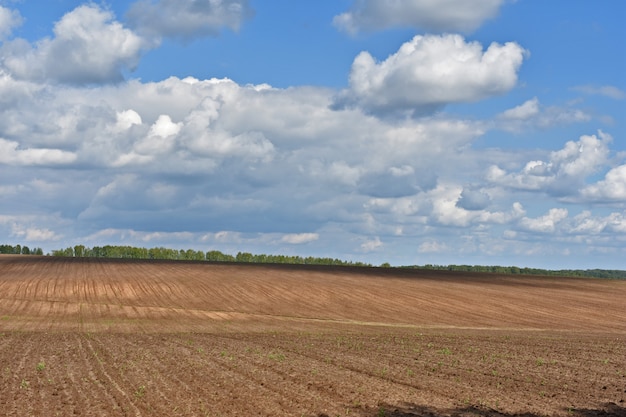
299, 238
531, 114
524, 111
429, 72
160, 138
11, 154
238, 165
187, 19
586, 223
9, 20
546, 223
371, 245
126, 119
199, 136
88, 46
429, 15
446, 208
432, 246
33, 234
473, 199
31, 228
611, 189
565, 170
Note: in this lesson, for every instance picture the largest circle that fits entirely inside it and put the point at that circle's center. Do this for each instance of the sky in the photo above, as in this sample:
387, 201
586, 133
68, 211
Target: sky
412, 132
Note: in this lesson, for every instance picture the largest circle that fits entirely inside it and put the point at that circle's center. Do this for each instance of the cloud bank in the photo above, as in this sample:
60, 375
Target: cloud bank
91, 155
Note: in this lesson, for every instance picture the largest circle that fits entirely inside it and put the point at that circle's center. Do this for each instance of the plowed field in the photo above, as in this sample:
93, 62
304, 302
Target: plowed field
153, 338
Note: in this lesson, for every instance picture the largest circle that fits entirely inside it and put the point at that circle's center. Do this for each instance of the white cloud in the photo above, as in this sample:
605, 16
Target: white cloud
9, 20
524, 111
585, 227
371, 245
11, 155
432, 246
609, 91
430, 15
531, 114
200, 137
89, 46
565, 170
187, 19
199, 156
586, 223
447, 209
13, 92
299, 238
611, 189
126, 119
160, 138
32, 228
429, 72
32, 234
164, 127
473, 199
546, 223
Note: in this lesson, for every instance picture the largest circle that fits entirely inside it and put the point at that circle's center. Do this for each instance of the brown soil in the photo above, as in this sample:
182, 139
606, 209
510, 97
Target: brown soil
115, 338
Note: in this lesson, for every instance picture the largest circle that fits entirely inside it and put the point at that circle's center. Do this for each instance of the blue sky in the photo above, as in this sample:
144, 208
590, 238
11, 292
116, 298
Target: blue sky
411, 132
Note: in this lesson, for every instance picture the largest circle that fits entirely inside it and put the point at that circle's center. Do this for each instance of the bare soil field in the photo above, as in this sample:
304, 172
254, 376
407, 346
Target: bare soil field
100, 337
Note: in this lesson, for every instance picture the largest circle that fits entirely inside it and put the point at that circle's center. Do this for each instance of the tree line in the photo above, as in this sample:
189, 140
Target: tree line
20, 250
131, 252
513, 270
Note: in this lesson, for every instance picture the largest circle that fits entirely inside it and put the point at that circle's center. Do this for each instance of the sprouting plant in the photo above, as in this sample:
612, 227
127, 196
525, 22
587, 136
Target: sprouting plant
24, 384
141, 391
540, 361
445, 351
225, 354
276, 356
41, 366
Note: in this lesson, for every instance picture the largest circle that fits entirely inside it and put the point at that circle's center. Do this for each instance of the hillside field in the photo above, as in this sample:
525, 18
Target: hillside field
104, 337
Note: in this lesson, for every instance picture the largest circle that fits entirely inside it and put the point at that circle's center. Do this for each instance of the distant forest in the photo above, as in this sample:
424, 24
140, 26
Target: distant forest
130, 252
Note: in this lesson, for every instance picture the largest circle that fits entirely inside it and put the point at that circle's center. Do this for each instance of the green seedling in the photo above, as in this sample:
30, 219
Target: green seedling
141, 391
